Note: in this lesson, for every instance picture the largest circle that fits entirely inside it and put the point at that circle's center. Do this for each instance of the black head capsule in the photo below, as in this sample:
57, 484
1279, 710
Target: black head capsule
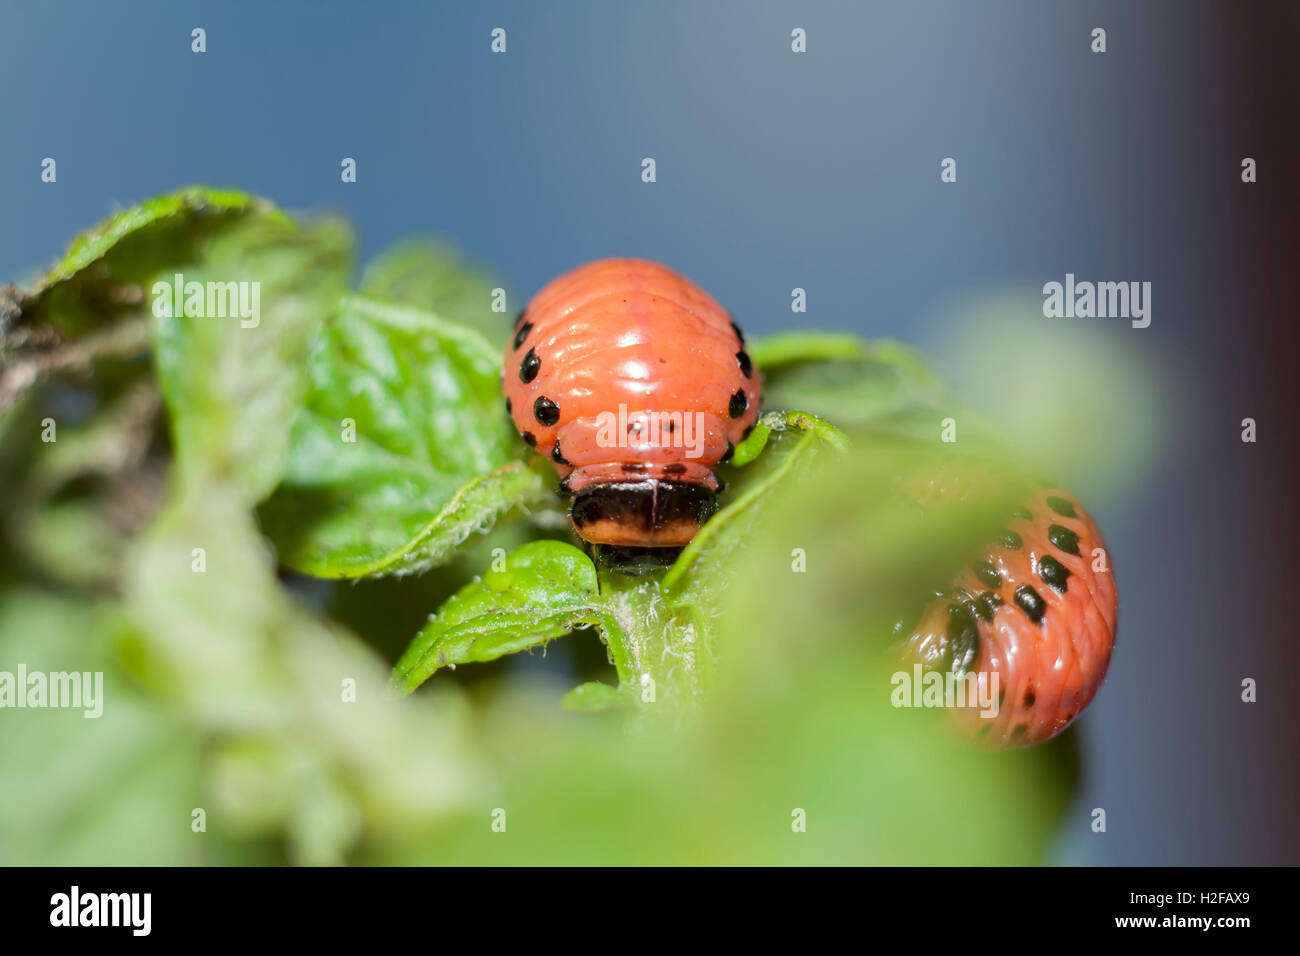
642, 512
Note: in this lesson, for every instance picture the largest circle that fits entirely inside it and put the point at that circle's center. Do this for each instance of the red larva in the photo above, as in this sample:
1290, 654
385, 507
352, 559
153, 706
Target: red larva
636, 384
1033, 611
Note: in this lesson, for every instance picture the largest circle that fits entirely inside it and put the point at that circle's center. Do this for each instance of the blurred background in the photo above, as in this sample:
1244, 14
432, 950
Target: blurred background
821, 171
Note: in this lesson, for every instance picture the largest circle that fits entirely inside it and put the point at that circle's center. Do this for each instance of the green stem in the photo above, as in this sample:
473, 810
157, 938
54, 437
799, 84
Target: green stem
660, 654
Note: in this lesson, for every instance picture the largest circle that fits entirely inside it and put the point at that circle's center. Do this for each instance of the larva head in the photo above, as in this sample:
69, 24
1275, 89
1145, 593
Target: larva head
650, 513
635, 383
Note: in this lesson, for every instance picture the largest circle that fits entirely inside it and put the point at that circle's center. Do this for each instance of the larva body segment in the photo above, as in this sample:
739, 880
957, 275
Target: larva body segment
1038, 609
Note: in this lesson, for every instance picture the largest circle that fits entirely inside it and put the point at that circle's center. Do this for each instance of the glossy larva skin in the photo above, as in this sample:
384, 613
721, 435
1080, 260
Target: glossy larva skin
602, 349
1040, 617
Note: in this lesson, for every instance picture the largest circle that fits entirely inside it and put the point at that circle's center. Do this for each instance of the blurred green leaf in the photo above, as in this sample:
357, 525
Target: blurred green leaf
795, 439
879, 388
111, 790
248, 668
234, 385
594, 696
402, 450
432, 276
103, 269
771, 352
1054, 415
90, 308
545, 590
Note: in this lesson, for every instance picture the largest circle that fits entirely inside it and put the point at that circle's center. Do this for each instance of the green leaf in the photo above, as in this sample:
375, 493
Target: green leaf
309, 745
404, 447
91, 307
545, 590
432, 276
87, 785
700, 573
233, 385
103, 269
333, 548
788, 348
880, 387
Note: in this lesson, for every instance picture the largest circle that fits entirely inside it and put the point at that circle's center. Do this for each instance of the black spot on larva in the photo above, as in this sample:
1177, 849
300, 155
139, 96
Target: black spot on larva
522, 333
672, 426
726, 455
749, 430
1053, 572
1020, 731
676, 468
529, 367
986, 604
1061, 506
1063, 538
558, 457
739, 334
565, 487
635, 466
987, 573
739, 404
1023, 513
509, 409
530, 439
963, 636
1010, 539
746, 366
1030, 697
520, 317
722, 486
1027, 600
546, 411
